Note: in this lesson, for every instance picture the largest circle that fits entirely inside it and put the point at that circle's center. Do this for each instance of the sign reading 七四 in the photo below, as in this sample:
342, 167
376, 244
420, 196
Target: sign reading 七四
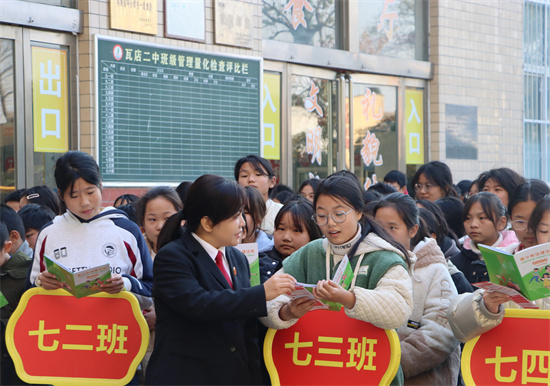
50, 101
330, 348
56, 338
495, 358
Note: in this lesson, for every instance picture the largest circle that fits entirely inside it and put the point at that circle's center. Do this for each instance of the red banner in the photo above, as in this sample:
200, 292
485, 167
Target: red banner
56, 338
516, 352
330, 348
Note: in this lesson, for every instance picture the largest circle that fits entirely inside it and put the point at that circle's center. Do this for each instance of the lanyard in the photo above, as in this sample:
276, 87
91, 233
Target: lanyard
327, 261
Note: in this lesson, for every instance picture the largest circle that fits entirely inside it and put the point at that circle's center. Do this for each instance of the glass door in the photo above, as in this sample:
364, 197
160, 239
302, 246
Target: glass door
330, 121
37, 120
314, 125
8, 94
373, 127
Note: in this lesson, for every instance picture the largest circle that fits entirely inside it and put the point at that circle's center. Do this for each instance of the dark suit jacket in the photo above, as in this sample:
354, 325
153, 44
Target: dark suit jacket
206, 333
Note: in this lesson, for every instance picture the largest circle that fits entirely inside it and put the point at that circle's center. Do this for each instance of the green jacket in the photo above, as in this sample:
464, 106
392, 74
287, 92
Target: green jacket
13, 277
306, 266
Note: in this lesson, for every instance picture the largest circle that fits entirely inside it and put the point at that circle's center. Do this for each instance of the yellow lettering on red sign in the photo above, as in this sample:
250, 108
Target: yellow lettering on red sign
107, 334
362, 351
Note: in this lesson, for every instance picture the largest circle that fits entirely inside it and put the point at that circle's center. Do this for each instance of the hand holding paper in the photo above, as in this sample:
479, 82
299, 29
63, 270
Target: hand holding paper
49, 281
329, 294
331, 291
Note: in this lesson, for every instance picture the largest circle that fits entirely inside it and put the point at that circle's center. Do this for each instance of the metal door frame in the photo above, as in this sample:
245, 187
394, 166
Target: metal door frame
345, 88
23, 39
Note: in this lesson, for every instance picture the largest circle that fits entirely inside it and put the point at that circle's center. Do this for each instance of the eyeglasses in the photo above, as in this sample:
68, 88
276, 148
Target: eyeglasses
421, 187
338, 217
519, 225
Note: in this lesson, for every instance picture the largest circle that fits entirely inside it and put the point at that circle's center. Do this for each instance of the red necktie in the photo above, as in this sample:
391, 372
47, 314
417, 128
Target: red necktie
219, 263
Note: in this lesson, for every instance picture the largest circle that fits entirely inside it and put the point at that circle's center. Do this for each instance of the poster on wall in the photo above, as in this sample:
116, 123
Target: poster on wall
185, 19
233, 23
135, 16
461, 131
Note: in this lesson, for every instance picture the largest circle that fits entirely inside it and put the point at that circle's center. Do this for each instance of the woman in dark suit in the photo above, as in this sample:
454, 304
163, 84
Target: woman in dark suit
206, 330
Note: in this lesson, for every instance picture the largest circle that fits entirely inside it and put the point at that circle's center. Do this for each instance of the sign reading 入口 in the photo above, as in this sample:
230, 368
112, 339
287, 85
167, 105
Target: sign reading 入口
414, 126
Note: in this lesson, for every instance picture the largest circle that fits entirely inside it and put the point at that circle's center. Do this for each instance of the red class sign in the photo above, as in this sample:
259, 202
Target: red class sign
56, 338
330, 348
516, 352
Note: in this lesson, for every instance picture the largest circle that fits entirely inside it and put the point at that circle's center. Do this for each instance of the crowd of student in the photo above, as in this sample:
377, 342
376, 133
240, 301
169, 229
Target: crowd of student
415, 262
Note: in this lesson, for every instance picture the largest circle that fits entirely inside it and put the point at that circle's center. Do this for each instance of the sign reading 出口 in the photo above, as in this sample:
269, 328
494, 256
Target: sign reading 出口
50, 101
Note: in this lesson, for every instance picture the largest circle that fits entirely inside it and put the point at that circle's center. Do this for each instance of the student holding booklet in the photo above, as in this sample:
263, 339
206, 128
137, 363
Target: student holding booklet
86, 236
429, 351
381, 291
475, 313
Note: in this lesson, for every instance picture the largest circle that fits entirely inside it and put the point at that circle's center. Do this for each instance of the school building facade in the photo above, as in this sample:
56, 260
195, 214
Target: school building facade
164, 91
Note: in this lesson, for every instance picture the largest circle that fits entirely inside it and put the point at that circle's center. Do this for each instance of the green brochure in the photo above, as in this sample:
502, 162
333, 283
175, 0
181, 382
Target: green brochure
250, 250
81, 283
3, 300
527, 271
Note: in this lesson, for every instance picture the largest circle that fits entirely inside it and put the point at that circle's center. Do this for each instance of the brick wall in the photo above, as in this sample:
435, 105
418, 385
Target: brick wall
477, 51
96, 21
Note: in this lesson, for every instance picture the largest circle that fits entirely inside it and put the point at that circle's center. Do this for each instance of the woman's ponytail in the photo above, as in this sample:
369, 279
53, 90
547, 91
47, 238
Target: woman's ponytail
172, 230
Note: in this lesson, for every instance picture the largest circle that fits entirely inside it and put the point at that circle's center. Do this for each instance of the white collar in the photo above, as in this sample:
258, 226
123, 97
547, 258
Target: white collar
209, 248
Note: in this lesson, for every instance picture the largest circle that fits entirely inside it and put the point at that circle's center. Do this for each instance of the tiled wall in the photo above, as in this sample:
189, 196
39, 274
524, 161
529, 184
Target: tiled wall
477, 51
96, 21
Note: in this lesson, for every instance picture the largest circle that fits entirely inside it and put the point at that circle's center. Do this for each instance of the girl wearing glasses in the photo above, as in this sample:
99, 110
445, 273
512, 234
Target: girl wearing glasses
433, 181
522, 202
381, 293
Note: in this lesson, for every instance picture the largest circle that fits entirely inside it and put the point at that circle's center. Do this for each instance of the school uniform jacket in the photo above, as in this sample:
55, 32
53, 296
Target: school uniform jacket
110, 237
206, 332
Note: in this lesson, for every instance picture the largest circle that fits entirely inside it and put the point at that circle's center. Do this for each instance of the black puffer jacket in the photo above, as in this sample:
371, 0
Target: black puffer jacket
270, 262
471, 265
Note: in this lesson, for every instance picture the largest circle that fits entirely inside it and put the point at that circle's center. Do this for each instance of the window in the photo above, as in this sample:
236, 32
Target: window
393, 28
309, 22
7, 117
313, 128
536, 88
